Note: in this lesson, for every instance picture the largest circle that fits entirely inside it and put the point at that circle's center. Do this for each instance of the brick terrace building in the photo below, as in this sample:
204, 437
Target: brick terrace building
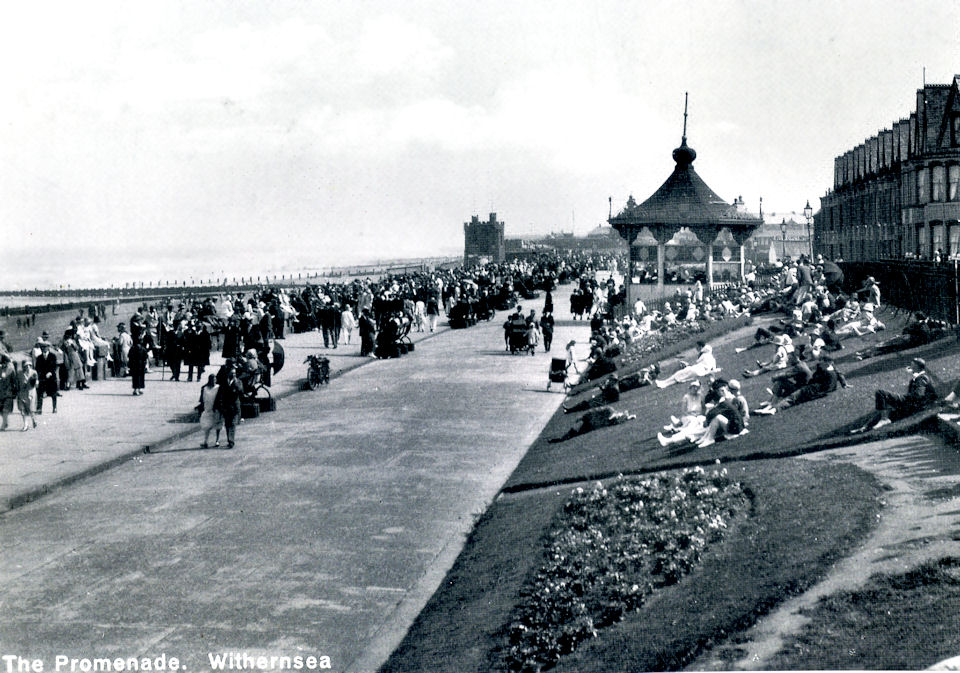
897, 194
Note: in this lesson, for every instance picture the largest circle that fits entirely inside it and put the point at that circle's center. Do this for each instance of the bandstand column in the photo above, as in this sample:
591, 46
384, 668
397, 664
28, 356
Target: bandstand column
628, 278
707, 236
662, 234
741, 237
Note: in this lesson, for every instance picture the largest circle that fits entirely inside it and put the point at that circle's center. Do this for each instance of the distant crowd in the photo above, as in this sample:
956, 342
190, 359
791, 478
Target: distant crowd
246, 328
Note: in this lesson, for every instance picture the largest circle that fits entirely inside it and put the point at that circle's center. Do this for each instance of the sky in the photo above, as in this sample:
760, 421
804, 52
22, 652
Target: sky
140, 140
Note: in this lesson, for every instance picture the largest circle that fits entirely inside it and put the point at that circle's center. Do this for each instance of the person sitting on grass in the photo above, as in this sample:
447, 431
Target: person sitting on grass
920, 331
603, 417
704, 365
867, 323
890, 407
609, 394
721, 420
780, 359
725, 419
691, 408
823, 381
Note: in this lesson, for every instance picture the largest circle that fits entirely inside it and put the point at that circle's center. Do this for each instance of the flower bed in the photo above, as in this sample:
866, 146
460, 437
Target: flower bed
608, 550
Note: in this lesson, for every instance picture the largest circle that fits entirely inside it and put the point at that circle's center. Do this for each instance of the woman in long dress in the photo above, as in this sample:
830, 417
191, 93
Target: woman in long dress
210, 417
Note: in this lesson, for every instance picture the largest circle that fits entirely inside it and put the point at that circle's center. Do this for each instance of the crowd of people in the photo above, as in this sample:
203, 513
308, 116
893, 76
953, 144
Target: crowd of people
817, 318
245, 327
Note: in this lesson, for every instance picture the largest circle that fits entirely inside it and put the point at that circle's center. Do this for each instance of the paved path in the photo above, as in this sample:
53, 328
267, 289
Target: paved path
97, 428
919, 523
322, 533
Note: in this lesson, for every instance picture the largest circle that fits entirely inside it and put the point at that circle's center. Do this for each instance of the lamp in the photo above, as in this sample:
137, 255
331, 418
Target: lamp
808, 213
783, 230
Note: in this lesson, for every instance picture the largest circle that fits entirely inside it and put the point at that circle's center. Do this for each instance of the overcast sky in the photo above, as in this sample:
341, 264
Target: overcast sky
332, 130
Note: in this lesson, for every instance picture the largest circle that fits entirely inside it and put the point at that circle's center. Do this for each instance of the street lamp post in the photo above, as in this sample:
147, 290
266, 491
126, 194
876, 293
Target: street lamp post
783, 230
808, 213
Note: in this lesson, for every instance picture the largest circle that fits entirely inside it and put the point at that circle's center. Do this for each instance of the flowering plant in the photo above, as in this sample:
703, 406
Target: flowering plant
608, 549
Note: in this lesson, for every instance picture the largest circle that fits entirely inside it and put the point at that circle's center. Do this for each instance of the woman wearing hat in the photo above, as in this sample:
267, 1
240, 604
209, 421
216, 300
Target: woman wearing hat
27, 381
780, 360
705, 364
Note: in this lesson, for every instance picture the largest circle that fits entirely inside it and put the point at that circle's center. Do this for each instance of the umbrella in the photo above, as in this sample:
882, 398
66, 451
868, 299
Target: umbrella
278, 357
832, 274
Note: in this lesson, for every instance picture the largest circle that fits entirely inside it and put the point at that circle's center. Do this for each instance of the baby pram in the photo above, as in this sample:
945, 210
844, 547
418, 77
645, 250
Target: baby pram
558, 373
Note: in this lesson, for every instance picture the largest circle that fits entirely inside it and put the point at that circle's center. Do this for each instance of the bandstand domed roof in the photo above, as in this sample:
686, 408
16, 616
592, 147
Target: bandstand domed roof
685, 200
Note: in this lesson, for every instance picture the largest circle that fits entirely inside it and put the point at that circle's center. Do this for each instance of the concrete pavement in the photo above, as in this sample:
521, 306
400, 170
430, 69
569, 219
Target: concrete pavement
98, 428
322, 533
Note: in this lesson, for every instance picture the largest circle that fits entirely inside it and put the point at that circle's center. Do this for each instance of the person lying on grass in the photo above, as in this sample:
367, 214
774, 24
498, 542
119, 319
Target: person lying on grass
594, 419
609, 394
640, 378
823, 381
918, 332
890, 407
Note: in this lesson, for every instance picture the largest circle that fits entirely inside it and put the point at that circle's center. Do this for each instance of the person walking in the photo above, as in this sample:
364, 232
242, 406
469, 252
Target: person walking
347, 322
210, 417
8, 388
174, 344
546, 327
137, 361
47, 374
27, 393
433, 312
227, 402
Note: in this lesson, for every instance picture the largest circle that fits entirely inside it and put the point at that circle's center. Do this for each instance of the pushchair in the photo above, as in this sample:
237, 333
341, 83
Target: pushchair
558, 373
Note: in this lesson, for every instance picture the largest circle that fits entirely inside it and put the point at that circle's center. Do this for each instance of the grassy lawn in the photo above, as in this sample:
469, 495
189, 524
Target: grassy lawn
633, 446
906, 621
790, 536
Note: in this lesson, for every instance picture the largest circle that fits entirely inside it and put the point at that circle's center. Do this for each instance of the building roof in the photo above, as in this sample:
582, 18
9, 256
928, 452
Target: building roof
685, 200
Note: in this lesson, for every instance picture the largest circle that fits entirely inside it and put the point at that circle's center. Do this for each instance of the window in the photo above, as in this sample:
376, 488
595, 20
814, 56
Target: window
923, 193
954, 239
939, 183
953, 178
938, 240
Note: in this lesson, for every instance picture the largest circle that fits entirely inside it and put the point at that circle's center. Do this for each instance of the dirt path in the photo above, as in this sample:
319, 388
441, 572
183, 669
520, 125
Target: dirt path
920, 522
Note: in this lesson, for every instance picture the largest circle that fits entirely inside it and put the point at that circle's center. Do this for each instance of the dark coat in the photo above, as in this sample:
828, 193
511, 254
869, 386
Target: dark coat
228, 398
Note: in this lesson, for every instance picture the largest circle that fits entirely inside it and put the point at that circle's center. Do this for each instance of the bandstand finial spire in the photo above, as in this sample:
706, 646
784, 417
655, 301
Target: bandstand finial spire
685, 95
684, 155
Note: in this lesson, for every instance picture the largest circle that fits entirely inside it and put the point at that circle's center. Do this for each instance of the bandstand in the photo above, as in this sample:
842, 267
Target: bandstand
684, 201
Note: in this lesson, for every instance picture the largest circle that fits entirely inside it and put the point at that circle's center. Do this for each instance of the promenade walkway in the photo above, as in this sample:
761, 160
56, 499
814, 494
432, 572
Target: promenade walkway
322, 533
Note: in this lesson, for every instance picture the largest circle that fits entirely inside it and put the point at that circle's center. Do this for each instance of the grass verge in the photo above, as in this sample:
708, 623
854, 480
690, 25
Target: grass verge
906, 621
803, 516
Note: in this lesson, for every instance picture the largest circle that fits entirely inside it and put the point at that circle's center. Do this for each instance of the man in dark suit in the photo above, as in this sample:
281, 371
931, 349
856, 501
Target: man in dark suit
368, 330
227, 402
890, 407
46, 367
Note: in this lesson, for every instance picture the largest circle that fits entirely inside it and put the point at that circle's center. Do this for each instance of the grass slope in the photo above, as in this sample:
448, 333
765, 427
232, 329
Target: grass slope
803, 516
633, 446
908, 621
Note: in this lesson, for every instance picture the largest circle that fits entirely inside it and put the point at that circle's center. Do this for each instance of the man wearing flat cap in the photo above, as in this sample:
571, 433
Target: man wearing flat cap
890, 407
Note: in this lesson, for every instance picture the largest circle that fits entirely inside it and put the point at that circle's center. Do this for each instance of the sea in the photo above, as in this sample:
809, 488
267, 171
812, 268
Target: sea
52, 278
